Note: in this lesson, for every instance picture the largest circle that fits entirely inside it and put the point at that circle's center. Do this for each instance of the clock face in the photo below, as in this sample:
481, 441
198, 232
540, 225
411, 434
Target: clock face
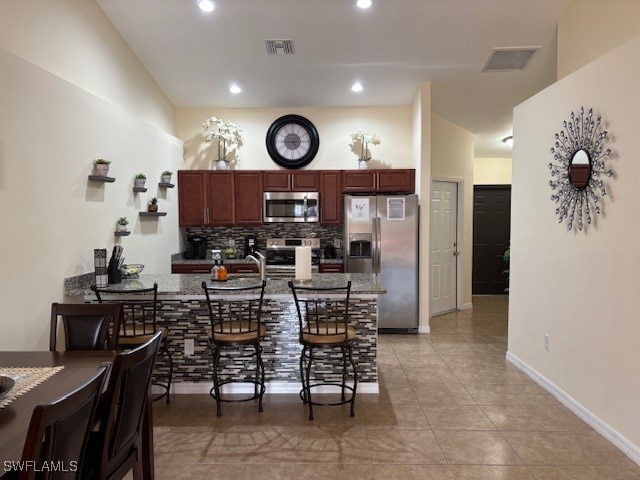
292, 141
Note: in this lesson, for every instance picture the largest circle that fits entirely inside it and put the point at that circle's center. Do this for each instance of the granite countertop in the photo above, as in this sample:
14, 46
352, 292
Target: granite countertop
190, 284
178, 258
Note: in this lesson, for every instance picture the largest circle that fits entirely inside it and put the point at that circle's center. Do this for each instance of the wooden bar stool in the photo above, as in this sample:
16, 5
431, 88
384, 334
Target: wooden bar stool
236, 321
323, 320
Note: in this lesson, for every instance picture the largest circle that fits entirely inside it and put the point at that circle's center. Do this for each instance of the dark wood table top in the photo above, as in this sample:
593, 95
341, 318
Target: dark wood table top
15, 418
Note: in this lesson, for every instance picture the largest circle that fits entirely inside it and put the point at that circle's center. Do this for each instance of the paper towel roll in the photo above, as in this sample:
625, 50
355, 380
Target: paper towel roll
303, 263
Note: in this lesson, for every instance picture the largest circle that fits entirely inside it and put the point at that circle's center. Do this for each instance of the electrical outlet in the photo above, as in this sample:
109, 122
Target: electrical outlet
189, 346
547, 341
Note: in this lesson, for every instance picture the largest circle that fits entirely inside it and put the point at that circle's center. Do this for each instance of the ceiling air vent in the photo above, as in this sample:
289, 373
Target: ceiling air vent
279, 47
509, 59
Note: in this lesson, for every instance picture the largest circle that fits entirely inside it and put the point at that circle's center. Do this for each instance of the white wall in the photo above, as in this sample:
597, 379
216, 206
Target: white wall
581, 288
74, 40
421, 141
50, 131
452, 158
492, 171
590, 28
392, 125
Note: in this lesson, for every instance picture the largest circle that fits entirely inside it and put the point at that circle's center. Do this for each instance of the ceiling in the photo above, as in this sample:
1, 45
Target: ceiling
390, 48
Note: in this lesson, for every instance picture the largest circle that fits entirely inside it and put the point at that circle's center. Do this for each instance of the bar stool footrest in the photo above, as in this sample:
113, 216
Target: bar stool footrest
256, 396
348, 399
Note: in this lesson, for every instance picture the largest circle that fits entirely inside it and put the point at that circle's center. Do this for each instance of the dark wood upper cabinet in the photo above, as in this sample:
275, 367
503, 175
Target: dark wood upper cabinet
192, 198
248, 197
290, 181
220, 194
374, 181
331, 197
401, 181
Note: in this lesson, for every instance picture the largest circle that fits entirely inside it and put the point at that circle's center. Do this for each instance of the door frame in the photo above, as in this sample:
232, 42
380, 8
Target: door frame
459, 237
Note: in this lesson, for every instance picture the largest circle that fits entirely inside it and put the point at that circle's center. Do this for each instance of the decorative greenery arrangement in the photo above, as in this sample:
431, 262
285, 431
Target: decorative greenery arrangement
225, 132
123, 221
140, 176
365, 138
153, 205
101, 161
167, 173
154, 201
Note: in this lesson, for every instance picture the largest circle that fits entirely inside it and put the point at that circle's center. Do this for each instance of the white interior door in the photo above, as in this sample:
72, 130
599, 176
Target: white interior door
444, 254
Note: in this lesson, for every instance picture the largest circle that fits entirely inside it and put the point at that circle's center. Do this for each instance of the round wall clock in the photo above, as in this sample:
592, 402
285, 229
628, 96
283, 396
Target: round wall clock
292, 141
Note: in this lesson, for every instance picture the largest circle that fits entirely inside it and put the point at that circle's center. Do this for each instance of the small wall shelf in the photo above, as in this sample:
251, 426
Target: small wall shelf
166, 185
153, 214
100, 178
122, 234
139, 189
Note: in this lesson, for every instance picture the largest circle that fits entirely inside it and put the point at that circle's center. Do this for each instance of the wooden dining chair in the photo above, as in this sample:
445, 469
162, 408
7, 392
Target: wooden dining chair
117, 446
59, 431
87, 326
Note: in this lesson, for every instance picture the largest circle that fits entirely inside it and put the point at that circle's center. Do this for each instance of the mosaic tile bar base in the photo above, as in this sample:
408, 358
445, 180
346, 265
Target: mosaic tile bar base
189, 319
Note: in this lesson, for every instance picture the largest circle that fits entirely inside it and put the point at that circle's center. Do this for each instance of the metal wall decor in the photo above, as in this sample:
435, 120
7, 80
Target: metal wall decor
576, 173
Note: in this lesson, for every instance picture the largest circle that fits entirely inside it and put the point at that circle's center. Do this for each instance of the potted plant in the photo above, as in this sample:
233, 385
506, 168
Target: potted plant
166, 176
153, 205
139, 179
121, 224
364, 138
101, 166
226, 133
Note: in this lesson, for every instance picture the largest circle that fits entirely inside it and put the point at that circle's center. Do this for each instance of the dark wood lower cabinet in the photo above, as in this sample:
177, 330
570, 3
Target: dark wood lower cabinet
331, 268
191, 268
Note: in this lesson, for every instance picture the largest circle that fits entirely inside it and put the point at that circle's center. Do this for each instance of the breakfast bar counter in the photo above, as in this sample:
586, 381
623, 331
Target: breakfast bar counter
183, 311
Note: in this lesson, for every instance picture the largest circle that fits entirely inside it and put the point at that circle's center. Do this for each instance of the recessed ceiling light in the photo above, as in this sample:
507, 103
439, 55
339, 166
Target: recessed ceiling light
363, 3
357, 87
235, 89
206, 6
508, 141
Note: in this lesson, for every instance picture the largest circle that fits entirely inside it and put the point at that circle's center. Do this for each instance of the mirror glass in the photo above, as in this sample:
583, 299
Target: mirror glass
580, 169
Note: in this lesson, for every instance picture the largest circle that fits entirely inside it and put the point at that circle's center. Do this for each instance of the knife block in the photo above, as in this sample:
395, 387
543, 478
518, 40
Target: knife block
115, 276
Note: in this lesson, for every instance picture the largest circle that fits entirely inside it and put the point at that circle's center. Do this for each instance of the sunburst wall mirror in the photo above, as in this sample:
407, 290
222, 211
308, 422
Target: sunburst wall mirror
579, 165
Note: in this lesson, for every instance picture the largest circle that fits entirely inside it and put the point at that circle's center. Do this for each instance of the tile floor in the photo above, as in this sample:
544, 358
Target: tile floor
449, 407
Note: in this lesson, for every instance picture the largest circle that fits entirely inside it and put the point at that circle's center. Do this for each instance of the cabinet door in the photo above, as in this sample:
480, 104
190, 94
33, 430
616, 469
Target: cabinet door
191, 198
242, 268
304, 181
276, 181
331, 197
359, 181
220, 194
401, 181
248, 195
331, 268
191, 268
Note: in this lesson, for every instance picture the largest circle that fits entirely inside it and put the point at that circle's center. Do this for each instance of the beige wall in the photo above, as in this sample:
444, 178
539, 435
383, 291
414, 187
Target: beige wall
74, 40
589, 28
421, 141
52, 216
391, 124
492, 171
581, 288
452, 158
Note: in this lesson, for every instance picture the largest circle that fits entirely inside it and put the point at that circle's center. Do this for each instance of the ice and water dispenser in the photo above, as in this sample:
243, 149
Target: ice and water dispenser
360, 245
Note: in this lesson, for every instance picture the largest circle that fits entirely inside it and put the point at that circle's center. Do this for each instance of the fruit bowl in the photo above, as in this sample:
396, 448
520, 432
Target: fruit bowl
6, 384
132, 270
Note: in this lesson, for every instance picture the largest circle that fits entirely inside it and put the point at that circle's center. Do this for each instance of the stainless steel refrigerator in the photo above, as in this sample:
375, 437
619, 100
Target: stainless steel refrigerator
381, 236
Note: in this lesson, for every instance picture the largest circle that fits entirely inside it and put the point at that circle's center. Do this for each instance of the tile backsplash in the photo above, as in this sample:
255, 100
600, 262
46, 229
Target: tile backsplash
218, 237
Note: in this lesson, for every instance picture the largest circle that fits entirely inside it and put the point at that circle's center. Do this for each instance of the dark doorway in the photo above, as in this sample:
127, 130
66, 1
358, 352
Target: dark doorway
491, 230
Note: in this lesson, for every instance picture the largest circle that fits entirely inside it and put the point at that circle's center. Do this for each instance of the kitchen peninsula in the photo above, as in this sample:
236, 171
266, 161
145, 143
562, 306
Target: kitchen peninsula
183, 311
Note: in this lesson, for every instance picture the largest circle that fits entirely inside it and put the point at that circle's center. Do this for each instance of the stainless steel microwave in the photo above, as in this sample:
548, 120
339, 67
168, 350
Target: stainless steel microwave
282, 207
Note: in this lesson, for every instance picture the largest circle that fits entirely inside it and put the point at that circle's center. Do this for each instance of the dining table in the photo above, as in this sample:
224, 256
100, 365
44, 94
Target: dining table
78, 366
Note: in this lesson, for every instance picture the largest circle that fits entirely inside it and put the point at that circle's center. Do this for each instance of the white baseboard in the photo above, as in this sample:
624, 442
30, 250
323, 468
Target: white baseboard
272, 387
424, 329
629, 449
467, 306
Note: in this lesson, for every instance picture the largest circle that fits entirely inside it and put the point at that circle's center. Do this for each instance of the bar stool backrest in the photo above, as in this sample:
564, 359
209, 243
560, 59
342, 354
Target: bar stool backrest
234, 310
322, 311
139, 309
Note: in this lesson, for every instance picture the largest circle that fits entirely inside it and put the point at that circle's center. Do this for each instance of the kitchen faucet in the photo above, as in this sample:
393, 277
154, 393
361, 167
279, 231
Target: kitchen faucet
261, 262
